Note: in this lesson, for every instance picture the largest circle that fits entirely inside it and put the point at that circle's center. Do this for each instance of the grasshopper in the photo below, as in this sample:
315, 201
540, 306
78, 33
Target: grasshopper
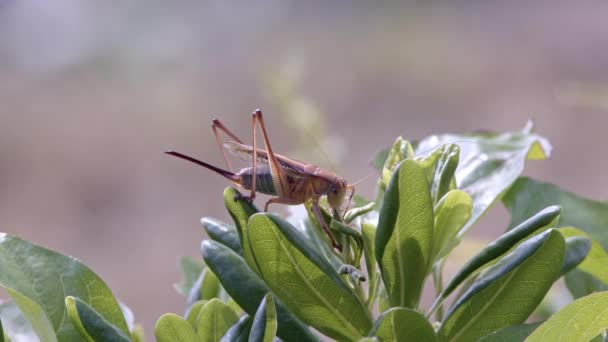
292, 182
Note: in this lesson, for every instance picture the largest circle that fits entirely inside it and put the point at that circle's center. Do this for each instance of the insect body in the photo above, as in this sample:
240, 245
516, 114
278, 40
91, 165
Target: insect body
291, 181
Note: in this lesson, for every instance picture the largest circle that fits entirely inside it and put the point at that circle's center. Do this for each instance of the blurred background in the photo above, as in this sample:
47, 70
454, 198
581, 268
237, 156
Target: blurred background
92, 93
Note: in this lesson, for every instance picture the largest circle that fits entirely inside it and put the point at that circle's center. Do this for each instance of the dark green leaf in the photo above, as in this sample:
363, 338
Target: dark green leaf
248, 290
404, 236
402, 324
29, 274
581, 284
577, 248
515, 333
507, 292
581, 320
597, 258
90, 324
308, 290
172, 328
240, 331
213, 320
490, 163
498, 247
223, 233
264, 325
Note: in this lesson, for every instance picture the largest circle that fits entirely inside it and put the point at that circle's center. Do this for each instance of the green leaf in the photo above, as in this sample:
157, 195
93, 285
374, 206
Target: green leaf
581, 320
489, 163
380, 159
309, 291
506, 293
451, 214
439, 168
248, 290
401, 150
214, 319
223, 233
14, 324
498, 247
137, 333
404, 235
577, 248
191, 269
402, 324
172, 328
515, 333
368, 232
240, 211
581, 284
264, 326
194, 310
90, 324
210, 287
597, 258
240, 331
30, 275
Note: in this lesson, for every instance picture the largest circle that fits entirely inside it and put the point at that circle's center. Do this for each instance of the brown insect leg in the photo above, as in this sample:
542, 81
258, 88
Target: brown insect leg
279, 178
317, 211
215, 125
281, 201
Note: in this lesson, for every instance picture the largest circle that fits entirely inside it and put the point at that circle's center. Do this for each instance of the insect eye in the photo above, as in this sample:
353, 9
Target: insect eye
333, 188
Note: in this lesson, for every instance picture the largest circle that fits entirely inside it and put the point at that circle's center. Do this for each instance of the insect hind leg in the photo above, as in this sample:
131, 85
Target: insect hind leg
218, 125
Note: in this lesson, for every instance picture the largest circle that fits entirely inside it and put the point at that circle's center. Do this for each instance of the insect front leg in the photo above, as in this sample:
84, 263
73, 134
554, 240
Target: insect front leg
317, 210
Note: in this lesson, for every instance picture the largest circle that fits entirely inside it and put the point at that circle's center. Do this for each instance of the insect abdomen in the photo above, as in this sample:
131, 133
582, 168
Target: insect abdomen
263, 180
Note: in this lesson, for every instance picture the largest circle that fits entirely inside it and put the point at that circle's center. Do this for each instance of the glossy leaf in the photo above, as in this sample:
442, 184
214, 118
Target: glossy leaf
498, 247
308, 290
240, 331
172, 328
248, 290
14, 324
596, 262
29, 274
515, 333
402, 324
240, 211
90, 324
404, 236
264, 325
581, 320
507, 292
213, 320
191, 269
577, 249
451, 214
489, 163
223, 233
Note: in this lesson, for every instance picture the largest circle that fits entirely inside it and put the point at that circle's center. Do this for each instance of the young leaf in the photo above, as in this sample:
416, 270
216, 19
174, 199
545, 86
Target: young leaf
214, 319
451, 214
264, 326
507, 293
404, 235
489, 163
514, 333
240, 331
240, 211
306, 289
29, 274
581, 320
248, 290
210, 287
500, 246
368, 231
194, 310
172, 328
222, 233
402, 324
439, 168
90, 324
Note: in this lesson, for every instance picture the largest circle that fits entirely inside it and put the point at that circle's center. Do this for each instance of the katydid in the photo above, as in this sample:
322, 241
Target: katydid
292, 182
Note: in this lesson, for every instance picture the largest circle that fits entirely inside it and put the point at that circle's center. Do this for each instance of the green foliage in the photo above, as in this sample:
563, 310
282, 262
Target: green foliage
264, 277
